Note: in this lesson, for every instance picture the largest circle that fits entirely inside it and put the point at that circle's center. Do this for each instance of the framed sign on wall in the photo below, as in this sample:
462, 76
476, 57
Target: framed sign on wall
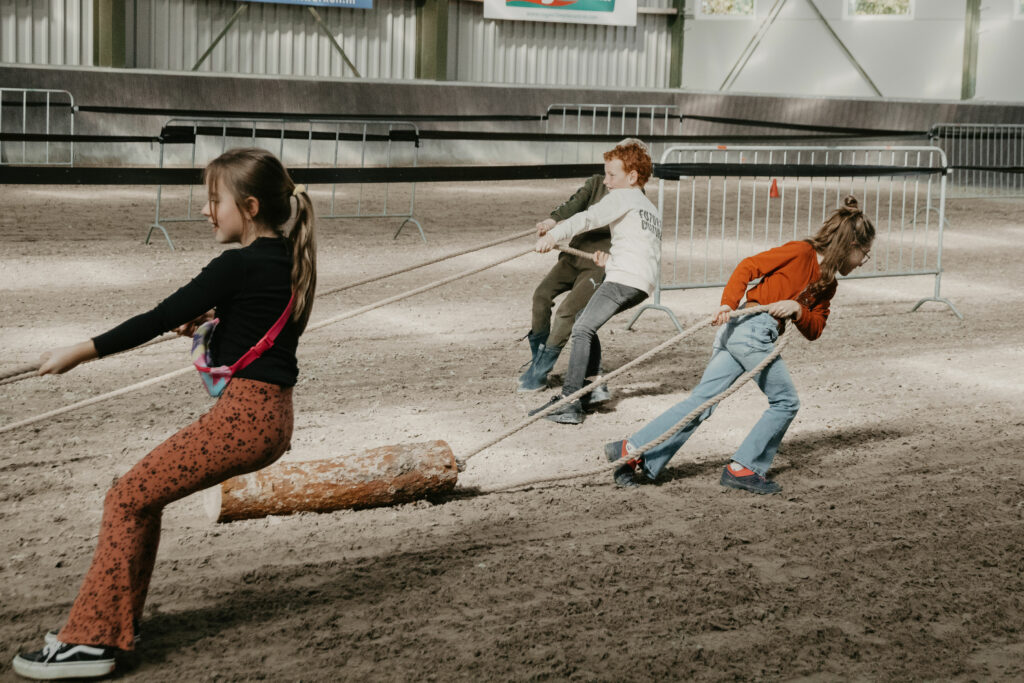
608, 12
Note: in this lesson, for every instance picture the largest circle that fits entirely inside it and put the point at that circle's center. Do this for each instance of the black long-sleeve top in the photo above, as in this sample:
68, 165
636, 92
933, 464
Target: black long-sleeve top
249, 288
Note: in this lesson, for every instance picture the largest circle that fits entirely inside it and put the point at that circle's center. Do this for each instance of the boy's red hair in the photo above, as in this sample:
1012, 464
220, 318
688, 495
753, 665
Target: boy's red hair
634, 157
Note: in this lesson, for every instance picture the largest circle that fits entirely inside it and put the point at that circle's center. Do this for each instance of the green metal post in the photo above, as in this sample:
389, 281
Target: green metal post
432, 39
972, 22
108, 33
676, 26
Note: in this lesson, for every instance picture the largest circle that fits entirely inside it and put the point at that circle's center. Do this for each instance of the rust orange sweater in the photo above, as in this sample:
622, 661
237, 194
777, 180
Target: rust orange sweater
786, 271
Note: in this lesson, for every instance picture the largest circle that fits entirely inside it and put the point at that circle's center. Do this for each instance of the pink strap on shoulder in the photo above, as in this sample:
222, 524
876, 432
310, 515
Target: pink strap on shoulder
264, 344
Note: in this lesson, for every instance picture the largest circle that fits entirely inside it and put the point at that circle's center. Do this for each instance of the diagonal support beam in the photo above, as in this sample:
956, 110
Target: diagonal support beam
846, 51
334, 42
220, 36
238, 12
759, 35
752, 46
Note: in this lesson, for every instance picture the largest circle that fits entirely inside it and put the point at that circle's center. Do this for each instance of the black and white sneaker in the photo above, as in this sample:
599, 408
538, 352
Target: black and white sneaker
65, 660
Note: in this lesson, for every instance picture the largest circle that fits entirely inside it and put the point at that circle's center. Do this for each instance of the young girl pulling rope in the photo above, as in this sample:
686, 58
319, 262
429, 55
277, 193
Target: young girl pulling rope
268, 284
798, 280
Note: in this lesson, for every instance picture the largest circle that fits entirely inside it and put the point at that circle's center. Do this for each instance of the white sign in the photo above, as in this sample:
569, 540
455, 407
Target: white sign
610, 12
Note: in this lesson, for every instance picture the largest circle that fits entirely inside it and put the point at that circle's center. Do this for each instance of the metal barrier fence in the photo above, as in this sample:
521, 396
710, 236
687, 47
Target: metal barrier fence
298, 143
29, 110
739, 201
976, 151
627, 120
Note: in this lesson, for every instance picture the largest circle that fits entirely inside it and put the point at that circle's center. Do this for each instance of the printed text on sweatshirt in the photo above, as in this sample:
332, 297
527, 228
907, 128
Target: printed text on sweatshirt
636, 236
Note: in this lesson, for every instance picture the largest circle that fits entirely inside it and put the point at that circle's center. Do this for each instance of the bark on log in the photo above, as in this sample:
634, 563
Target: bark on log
380, 476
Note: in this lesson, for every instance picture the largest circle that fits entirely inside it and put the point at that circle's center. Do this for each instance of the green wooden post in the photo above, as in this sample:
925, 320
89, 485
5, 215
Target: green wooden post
972, 21
676, 24
432, 39
108, 33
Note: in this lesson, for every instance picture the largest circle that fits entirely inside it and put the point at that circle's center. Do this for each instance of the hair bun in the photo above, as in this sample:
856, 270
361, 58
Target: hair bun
850, 204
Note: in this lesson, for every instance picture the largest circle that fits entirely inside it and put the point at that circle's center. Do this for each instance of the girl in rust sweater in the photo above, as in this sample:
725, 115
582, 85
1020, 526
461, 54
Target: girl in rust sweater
798, 280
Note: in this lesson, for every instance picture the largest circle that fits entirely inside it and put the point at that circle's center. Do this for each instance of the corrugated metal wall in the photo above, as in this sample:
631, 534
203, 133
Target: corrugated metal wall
277, 39
919, 58
541, 53
57, 32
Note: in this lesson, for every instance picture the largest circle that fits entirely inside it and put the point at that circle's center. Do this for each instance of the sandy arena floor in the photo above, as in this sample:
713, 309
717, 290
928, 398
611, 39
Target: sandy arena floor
895, 551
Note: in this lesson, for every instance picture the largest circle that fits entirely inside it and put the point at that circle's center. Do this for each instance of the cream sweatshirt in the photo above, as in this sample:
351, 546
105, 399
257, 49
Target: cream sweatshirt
636, 236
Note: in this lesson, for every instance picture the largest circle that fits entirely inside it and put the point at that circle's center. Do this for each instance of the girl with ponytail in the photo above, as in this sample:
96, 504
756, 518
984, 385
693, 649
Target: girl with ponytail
267, 284
797, 282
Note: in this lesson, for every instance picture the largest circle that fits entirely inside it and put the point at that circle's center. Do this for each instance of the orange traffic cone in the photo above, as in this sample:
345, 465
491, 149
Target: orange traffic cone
774, 191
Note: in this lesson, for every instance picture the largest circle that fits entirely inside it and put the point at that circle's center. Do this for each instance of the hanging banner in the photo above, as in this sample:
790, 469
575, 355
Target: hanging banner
609, 12
350, 4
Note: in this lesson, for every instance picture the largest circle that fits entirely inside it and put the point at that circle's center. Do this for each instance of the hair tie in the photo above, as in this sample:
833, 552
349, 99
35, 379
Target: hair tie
298, 189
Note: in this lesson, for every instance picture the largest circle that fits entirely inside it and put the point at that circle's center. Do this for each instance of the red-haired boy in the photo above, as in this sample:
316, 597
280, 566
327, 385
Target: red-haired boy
631, 267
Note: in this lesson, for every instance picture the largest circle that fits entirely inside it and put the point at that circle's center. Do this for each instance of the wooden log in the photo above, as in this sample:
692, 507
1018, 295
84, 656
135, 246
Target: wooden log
380, 476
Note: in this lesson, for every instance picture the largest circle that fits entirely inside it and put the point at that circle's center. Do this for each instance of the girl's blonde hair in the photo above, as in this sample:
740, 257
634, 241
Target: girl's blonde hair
845, 228
253, 172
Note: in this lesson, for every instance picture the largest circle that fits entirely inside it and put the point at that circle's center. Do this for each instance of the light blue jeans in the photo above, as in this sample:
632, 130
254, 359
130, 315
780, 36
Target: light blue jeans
740, 345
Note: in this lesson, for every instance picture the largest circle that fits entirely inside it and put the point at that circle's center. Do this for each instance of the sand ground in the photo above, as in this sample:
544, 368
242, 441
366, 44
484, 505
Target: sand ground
894, 552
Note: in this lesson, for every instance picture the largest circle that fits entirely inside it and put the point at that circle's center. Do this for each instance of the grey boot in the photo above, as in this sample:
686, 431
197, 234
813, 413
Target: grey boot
536, 378
600, 393
537, 340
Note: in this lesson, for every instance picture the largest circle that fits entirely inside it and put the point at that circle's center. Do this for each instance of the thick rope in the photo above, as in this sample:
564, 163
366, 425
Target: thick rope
693, 414
95, 399
27, 371
431, 262
413, 292
20, 376
32, 369
20, 370
602, 379
575, 252
590, 387
321, 324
